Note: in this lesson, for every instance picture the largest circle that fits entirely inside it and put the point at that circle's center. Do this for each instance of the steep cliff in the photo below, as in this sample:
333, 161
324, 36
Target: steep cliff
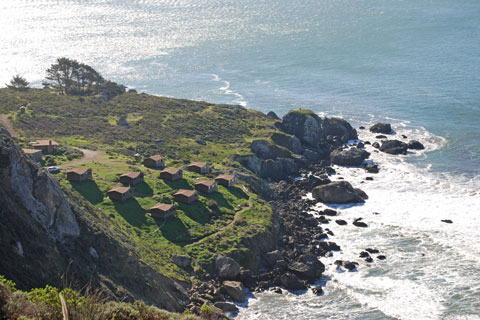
47, 234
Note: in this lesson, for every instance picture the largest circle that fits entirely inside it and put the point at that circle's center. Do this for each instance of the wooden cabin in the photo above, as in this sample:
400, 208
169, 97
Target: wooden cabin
34, 153
79, 174
46, 146
120, 193
131, 178
162, 211
206, 186
199, 167
156, 162
226, 180
186, 196
171, 174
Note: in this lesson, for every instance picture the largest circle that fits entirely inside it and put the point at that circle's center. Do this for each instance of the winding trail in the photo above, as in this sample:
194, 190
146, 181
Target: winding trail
6, 123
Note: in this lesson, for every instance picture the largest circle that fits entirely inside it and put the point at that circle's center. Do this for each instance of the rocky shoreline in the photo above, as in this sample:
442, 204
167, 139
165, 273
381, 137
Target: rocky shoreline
304, 238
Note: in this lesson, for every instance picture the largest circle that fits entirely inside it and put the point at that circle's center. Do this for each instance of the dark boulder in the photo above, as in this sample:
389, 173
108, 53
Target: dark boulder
291, 282
235, 290
370, 250
394, 147
341, 222
381, 128
228, 269
371, 168
349, 265
376, 145
339, 128
381, 257
349, 157
338, 192
447, 221
415, 145
329, 212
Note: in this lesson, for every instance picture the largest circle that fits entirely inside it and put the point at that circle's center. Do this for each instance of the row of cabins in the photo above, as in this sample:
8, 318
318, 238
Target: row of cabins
160, 210
39, 148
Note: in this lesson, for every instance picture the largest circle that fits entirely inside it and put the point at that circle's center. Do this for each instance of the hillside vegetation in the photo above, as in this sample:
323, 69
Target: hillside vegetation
227, 222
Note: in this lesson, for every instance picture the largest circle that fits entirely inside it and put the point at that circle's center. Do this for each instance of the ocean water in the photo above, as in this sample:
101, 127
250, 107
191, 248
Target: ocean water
413, 63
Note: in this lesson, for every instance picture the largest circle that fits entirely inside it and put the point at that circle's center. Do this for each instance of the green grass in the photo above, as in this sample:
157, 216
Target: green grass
182, 131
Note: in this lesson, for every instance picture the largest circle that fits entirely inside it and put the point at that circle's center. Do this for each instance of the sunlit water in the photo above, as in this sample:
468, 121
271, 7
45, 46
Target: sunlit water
415, 64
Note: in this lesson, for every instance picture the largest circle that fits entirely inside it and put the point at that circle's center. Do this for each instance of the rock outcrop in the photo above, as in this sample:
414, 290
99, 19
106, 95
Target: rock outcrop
37, 191
415, 145
349, 157
394, 147
380, 127
338, 192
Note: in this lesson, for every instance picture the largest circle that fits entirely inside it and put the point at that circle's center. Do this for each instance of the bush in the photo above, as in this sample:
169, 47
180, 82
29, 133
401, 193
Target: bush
212, 204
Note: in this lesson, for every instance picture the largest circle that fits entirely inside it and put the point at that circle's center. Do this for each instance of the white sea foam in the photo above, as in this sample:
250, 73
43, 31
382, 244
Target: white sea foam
431, 265
226, 89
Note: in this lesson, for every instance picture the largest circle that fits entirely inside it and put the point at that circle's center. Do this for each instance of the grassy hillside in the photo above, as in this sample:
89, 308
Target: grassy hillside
178, 129
181, 130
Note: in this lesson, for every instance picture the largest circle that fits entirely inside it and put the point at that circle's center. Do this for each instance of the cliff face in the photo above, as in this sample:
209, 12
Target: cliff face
46, 234
35, 191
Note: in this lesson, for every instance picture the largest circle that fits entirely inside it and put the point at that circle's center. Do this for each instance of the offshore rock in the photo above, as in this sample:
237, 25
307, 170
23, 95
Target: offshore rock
415, 145
381, 128
394, 147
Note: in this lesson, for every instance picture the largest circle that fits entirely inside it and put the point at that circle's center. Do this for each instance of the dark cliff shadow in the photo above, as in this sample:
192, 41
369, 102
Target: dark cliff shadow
237, 192
143, 189
131, 211
174, 230
89, 190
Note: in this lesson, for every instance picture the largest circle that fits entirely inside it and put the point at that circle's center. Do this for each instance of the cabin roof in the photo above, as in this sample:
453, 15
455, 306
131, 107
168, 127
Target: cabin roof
31, 151
207, 183
44, 143
132, 174
121, 190
198, 164
227, 177
163, 206
79, 171
171, 170
156, 157
186, 193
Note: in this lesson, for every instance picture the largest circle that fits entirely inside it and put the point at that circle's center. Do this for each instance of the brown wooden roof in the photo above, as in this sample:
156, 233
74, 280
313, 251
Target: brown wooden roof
207, 183
31, 151
156, 157
163, 206
227, 177
198, 164
121, 190
185, 192
170, 170
79, 171
44, 143
132, 174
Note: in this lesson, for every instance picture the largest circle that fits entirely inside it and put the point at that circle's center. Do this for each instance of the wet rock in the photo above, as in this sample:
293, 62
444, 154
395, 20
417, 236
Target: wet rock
329, 212
349, 265
338, 192
226, 306
370, 250
317, 290
361, 128
381, 257
394, 147
364, 254
349, 157
376, 145
360, 224
371, 168
404, 136
272, 257
381, 128
341, 222
277, 290
415, 145
447, 221
369, 178
235, 290
381, 136
291, 282
369, 259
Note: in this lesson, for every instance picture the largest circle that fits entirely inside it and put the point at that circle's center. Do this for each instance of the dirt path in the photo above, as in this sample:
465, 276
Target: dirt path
88, 156
6, 123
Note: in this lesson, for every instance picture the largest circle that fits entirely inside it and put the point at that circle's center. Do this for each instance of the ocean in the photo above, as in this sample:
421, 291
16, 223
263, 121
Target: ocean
412, 63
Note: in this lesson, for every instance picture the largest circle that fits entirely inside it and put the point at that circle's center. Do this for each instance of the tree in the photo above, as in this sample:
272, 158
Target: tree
18, 83
70, 77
